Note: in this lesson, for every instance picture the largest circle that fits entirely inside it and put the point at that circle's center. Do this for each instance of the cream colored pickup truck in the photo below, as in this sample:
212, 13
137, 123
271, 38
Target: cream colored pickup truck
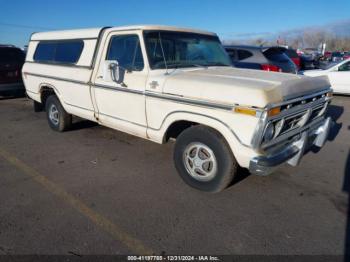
162, 83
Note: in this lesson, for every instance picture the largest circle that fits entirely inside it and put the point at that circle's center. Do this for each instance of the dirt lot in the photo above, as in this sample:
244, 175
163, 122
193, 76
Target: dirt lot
94, 190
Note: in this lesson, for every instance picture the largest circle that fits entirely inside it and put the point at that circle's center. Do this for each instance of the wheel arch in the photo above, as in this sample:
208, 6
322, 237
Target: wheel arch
45, 90
187, 119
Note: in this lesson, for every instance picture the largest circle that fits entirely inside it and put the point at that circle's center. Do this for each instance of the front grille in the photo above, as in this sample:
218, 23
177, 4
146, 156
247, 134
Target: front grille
301, 119
291, 123
302, 102
317, 112
298, 114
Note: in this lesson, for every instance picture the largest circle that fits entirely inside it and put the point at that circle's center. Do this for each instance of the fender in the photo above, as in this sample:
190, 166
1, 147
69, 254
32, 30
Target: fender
232, 139
44, 85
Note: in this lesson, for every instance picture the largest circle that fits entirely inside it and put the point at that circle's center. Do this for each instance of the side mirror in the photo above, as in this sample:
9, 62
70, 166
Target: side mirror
117, 72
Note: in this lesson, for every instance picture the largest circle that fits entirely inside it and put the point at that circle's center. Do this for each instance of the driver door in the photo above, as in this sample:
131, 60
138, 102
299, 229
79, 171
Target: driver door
340, 78
122, 105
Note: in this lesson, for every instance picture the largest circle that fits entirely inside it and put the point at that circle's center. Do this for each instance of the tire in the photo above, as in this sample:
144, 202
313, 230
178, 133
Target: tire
38, 107
219, 166
59, 120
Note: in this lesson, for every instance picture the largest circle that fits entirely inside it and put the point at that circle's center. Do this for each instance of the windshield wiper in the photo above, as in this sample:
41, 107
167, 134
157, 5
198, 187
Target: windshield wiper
197, 65
180, 65
216, 64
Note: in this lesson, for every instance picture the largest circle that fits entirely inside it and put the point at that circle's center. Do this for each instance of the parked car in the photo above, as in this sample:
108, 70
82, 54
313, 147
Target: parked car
299, 52
261, 58
162, 83
338, 74
346, 55
313, 52
336, 57
11, 62
327, 56
293, 55
307, 62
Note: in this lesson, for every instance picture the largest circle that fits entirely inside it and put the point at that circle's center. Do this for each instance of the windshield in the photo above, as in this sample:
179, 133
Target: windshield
166, 49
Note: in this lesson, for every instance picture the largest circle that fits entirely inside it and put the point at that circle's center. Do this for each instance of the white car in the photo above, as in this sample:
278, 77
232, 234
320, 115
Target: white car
338, 74
162, 83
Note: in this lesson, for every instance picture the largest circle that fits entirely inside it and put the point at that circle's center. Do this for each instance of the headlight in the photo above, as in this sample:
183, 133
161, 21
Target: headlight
269, 132
278, 127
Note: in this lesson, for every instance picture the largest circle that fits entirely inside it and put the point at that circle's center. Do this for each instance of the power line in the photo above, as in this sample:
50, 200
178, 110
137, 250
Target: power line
25, 26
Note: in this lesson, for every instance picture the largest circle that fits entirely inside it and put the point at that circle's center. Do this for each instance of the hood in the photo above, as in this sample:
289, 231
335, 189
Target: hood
241, 86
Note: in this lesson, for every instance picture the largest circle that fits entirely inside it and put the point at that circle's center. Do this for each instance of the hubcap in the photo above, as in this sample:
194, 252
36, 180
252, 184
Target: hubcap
54, 115
200, 161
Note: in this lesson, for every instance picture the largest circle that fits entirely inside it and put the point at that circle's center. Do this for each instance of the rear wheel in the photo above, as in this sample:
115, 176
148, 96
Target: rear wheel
59, 120
204, 160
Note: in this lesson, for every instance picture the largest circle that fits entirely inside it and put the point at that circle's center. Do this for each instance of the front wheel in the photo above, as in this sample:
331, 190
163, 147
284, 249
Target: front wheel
59, 120
204, 160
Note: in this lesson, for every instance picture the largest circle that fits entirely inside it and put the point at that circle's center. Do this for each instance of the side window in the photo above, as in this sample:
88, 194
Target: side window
64, 52
69, 52
243, 54
126, 50
344, 67
45, 52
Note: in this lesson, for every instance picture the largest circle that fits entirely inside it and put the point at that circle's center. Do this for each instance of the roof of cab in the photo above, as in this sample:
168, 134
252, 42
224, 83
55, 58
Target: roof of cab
91, 33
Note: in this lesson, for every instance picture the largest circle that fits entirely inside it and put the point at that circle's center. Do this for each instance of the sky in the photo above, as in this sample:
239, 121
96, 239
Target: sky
230, 19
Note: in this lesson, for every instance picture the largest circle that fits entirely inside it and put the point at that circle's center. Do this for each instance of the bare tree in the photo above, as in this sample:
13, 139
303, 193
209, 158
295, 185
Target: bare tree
308, 38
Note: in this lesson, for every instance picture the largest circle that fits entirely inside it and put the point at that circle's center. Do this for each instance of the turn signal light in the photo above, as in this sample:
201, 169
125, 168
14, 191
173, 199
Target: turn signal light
245, 110
274, 111
330, 94
256, 112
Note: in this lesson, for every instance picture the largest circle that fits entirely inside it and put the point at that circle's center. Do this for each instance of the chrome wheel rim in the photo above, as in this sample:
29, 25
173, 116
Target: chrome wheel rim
54, 115
200, 161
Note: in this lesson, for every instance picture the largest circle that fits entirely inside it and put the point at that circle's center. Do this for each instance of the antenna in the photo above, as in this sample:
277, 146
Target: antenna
161, 46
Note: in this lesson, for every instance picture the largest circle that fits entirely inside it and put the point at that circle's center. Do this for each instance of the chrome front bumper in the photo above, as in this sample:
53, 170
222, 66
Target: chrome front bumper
291, 154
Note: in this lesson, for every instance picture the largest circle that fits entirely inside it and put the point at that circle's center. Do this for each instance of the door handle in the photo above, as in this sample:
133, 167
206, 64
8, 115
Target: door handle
154, 84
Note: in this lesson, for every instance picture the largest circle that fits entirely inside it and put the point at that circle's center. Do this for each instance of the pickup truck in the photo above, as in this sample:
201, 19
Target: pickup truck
166, 83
